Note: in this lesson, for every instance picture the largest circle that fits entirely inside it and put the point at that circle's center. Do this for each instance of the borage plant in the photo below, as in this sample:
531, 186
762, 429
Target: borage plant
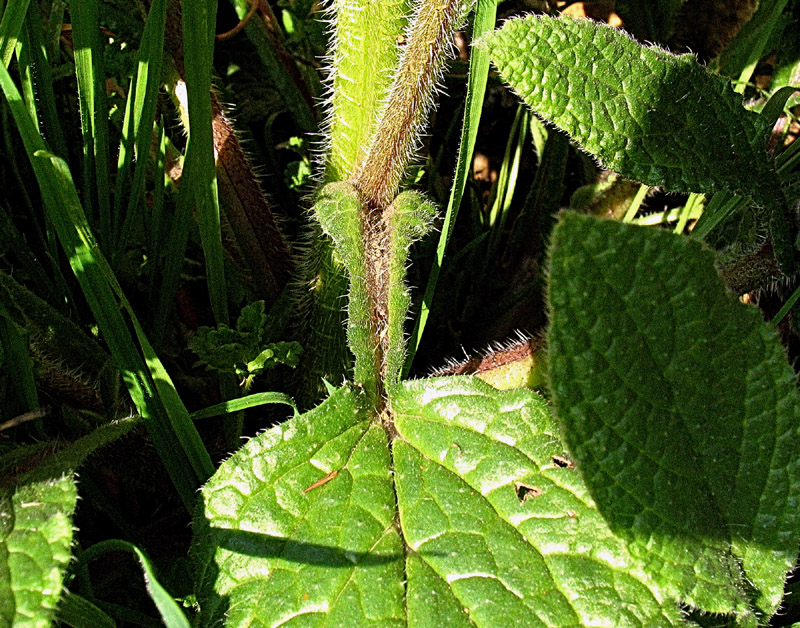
659, 483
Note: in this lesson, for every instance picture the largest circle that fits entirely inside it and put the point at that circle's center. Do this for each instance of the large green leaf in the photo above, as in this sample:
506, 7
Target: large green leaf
487, 523
648, 114
274, 545
500, 529
680, 408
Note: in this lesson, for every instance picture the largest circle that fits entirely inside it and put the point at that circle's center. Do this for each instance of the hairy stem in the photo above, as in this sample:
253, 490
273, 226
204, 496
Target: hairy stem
428, 41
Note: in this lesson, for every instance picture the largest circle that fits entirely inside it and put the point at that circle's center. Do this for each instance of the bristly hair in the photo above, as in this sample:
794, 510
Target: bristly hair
383, 20
429, 43
491, 356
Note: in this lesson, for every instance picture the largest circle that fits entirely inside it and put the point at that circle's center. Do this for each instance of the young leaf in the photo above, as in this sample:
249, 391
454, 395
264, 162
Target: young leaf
680, 408
650, 115
339, 211
488, 523
406, 220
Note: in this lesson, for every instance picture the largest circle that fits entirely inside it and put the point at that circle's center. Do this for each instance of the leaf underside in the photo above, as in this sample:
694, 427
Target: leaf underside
470, 518
680, 408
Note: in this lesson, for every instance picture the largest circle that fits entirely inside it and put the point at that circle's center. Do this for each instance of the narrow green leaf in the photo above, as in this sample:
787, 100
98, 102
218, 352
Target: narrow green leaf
299, 526
44, 101
171, 613
17, 367
680, 408
199, 20
484, 20
90, 74
243, 403
649, 115
78, 612
10, 28
138, 129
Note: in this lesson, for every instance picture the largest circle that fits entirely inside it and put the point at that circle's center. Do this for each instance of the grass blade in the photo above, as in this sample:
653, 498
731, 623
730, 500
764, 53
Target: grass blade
42, 82
144, 92
90, 74
171, 613
243, 403
10, 28
175, 437
199, 19
485, 17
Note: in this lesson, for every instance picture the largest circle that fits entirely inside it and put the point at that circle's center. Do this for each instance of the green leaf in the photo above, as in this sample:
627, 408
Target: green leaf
300, 523
488, 524
36, 520
36, 529
168, 608
339, 210
680, 408
650, 115
498, 531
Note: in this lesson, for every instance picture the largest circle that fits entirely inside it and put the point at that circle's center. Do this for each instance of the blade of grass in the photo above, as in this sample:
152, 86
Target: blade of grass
156, 223
741, 57
485, 18
76, 611
42, 82
90, 74
198, 27
786, 307
721, 205
538, 213
693, 206
171, 613
243, 403
198, 36
175, 437
17, 361
144, 92
52, 28
789, 158
10, 28
507, 180
636, 203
